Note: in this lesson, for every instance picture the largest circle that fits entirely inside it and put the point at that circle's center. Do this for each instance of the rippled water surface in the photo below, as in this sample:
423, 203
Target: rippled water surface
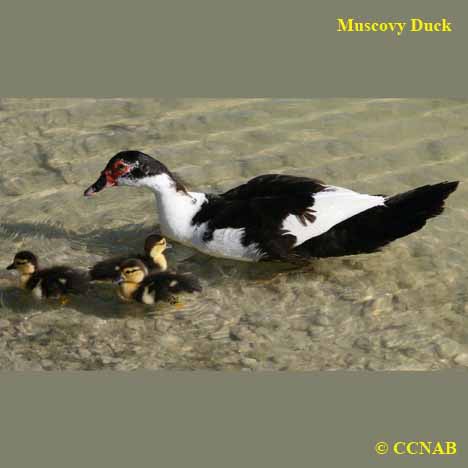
403, 308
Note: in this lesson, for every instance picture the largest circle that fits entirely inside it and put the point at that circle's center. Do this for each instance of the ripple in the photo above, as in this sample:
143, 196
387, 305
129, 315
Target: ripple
384, 311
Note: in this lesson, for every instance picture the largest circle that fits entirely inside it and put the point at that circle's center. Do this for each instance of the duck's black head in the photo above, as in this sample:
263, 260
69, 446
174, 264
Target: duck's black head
134, 168
25, 262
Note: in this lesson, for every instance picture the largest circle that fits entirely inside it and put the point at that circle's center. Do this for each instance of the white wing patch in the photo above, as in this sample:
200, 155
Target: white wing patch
147, 297
332, 206
37, 291
226, 243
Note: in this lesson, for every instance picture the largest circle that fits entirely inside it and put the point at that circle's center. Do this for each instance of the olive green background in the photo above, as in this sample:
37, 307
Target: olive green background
227, 419
224, 48
209, 48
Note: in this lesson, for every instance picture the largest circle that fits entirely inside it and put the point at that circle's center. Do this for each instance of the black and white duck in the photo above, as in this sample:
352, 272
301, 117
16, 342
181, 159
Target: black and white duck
273, 216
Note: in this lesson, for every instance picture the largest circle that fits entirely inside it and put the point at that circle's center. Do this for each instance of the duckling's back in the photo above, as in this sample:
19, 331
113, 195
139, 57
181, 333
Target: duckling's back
161, 286
60, 280
174, 282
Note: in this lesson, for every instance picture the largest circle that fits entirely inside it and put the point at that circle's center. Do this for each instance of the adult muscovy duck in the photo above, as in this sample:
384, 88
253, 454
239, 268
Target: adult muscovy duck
275, 217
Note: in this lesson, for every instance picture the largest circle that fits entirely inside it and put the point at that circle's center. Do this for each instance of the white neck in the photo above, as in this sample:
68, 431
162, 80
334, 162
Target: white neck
176, 208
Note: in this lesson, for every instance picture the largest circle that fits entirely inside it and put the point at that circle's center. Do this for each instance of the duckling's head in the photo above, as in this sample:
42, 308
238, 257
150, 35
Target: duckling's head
133, 271
155, 245
25, 262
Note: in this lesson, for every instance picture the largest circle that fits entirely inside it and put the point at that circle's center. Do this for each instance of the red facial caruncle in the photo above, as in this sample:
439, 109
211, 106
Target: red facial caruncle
109, 177
118, 169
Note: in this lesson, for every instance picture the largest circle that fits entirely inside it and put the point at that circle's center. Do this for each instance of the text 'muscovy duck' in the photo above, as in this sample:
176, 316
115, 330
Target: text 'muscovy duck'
275, 217
153, 258
53, 282
135, 283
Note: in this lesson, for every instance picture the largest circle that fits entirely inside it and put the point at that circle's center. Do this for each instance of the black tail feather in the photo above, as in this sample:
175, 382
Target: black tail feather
372, 229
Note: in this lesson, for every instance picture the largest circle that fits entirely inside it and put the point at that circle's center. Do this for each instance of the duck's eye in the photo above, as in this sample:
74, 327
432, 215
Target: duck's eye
120, 166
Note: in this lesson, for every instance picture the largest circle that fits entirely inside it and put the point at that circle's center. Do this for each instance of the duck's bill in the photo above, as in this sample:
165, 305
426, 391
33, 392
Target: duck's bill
104, 181
118, 280
11, 267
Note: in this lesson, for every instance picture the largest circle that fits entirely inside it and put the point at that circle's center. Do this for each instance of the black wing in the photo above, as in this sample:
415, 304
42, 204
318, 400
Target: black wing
60, 280
260, 207
164, 285
107, 270
174, 282
273, 185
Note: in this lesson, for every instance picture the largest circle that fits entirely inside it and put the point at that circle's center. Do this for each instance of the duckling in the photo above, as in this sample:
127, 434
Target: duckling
136, 284
53, 282
153, 258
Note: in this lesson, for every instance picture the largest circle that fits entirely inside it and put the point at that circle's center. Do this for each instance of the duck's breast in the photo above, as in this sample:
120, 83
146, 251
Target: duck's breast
225, 243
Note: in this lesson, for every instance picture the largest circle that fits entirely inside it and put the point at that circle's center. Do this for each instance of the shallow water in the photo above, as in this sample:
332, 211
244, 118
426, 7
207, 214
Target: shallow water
403, 308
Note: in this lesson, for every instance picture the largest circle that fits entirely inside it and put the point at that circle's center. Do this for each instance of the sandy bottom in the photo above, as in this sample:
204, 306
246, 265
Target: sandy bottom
402, 309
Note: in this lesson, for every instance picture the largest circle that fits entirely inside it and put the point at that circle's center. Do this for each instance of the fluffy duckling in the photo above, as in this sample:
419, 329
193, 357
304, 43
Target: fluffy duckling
135, 284
53, 282
153, 258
